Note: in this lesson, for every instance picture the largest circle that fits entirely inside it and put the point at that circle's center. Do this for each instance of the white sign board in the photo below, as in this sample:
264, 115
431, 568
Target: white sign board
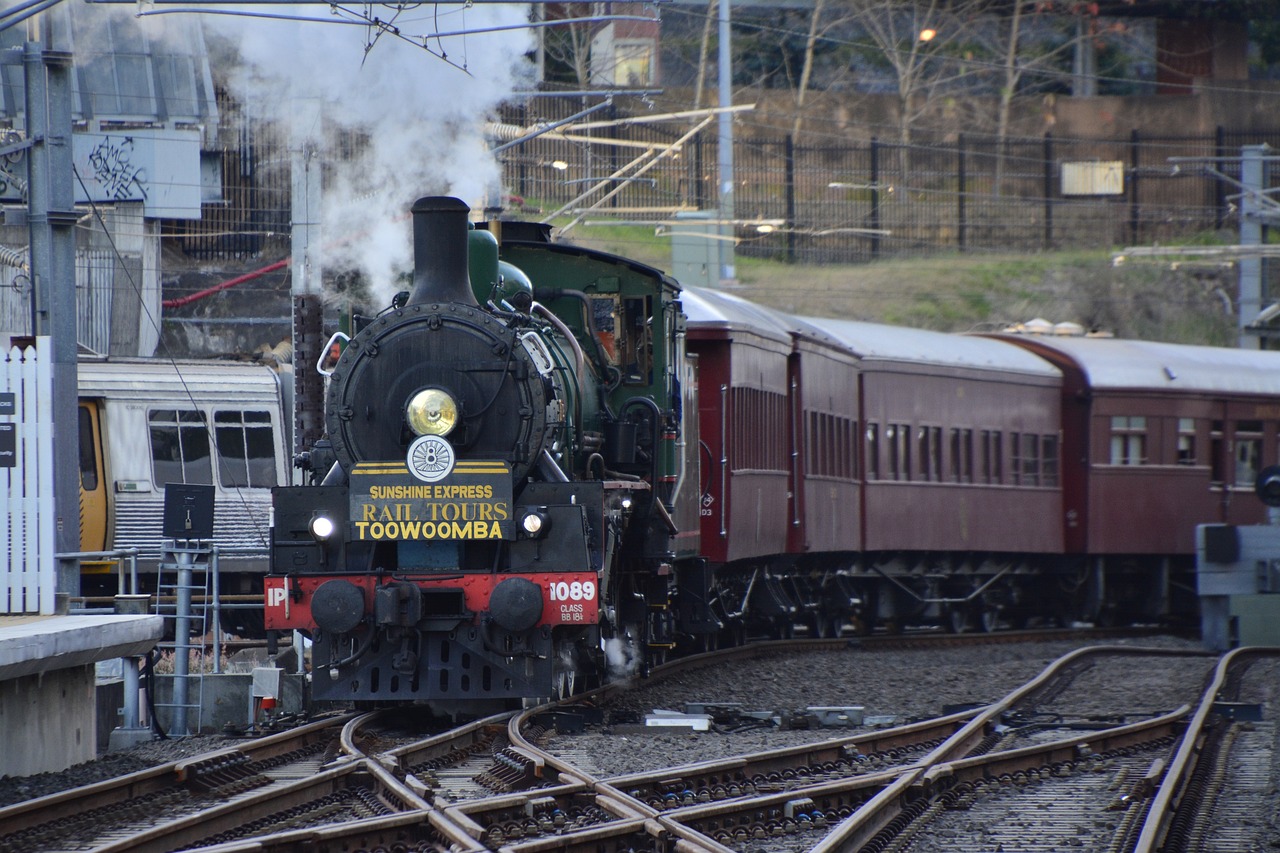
160, 168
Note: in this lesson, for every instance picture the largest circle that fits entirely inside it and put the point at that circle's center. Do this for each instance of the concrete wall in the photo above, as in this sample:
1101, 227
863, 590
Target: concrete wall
47, 722
1257, 619
225, 700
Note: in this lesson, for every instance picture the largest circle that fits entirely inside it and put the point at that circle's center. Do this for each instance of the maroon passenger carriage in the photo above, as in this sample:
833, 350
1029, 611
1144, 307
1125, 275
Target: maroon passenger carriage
867, 473
958, 464
742, 352
1157, 439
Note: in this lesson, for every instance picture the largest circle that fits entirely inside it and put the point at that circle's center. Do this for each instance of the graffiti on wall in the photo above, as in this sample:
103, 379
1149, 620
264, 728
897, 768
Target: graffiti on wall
115, 172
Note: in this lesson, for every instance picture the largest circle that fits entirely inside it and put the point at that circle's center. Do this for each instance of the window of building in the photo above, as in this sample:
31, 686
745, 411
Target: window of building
180, 447
1248, 456
1128, 440
1186, 441
633, 62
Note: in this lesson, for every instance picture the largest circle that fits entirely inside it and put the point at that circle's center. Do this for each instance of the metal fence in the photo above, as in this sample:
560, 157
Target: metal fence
835, 202
26, 480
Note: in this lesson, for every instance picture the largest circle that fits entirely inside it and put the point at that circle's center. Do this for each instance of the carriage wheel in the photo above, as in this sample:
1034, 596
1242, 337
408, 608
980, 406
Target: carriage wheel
987, 615
564, 672
955, 618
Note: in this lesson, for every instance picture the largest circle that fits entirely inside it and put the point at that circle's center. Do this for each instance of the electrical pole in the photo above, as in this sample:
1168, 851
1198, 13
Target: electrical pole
308, 305
1253, 218
725, 147
51, 219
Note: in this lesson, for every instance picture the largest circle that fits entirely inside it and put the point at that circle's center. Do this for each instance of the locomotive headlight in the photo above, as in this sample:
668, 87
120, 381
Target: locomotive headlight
534, 522
432, 412
321, 527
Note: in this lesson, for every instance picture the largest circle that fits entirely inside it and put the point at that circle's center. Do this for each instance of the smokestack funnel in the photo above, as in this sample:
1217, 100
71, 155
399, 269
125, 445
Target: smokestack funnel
440, 252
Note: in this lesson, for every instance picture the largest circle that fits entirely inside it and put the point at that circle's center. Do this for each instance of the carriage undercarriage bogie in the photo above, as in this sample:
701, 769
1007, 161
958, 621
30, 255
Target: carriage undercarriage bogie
850, 596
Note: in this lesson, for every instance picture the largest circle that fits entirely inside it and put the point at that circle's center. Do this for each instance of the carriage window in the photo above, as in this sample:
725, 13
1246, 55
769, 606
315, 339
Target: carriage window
246, 449
1216, 458
992, 456
1049, 460
899, 438
1186, 441
849, 454
962, 455
1128, 440
930, 453
1248, 453
180, 447
1030, 459
88, 452
872, 455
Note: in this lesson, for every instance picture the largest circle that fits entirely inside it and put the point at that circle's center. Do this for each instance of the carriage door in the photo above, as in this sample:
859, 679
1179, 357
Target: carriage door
93, 492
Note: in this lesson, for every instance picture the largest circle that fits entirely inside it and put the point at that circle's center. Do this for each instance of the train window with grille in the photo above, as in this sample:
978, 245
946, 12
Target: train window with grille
180, 447
962, 455
1030, 459
872, 453
849, 454
899, 438
930, 439
1049, 460
1248, 456
1128, 440
1186, 441
1217, 458
775, 448
992, 456
246, 449
1015, 457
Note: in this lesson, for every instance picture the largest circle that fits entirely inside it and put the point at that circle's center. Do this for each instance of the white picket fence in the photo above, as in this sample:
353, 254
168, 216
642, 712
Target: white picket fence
26, 481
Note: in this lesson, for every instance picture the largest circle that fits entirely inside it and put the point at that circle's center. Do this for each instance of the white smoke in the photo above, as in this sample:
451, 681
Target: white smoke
422, 115
623, 656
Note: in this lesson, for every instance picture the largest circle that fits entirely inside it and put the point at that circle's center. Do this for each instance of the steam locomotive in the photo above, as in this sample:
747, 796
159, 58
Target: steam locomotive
545, 465
501, 504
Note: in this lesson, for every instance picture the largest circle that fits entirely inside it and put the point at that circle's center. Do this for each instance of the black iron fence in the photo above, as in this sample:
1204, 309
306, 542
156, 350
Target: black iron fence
799, 201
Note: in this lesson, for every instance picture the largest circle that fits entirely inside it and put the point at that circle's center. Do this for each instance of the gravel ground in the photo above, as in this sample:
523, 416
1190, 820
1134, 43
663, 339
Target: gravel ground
896, 686
904, 685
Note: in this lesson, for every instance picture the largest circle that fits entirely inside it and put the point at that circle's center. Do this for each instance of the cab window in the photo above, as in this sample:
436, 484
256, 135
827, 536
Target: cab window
180, 447
246, 451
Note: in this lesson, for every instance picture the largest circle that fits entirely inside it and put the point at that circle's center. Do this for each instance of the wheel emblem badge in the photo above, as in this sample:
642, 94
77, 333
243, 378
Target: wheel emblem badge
430, 458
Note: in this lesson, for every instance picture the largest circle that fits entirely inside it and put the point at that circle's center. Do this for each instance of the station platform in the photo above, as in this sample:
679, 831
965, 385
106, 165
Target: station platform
47, 684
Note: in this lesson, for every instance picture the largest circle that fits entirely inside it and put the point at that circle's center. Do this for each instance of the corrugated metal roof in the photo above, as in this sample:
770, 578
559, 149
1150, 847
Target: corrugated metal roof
715, 308
205, 381
1128, 364
873, 341
123, 71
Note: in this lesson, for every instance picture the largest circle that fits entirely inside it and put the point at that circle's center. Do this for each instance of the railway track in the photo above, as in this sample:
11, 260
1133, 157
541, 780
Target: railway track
495, 784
